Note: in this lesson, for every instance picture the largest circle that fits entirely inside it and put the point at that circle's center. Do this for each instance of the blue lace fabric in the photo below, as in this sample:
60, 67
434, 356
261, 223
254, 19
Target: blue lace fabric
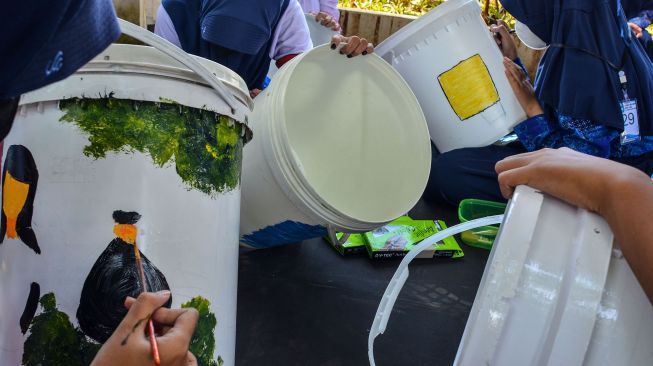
581, 135
643, 19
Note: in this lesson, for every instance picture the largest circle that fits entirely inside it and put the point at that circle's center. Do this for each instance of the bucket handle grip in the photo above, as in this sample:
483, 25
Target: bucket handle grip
176, 53
331, 232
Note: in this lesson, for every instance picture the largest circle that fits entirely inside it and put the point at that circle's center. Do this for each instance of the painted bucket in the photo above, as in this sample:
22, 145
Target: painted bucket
455, 68
556, 291
341, 143
141, 145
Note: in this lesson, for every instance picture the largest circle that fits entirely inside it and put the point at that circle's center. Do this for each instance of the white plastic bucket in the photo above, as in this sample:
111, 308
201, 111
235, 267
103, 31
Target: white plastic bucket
339, 142
455, 68
556, 292
188, 226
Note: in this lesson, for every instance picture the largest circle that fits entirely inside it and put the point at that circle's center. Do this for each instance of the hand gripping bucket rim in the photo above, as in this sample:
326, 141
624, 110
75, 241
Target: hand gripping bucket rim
280, 155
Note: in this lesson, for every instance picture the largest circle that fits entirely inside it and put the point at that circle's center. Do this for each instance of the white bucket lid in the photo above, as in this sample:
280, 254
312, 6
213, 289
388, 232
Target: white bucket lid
358, 137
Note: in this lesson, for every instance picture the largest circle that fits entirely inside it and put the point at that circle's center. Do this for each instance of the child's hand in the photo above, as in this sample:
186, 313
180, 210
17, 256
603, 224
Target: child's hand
504, 40
522, 88
327, 21
353, 46
254, 93
129, 346
636, 29
582, 180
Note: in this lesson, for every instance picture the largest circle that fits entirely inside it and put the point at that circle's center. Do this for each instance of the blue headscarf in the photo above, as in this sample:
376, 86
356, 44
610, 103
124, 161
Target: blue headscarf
632, 8
44, 41
590, 42
235, 33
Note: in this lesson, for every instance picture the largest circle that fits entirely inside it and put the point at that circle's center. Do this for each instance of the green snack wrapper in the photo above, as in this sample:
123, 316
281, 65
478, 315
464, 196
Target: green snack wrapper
397, 238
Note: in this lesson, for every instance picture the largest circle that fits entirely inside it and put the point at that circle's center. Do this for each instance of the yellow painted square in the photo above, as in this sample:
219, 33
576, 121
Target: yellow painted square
469, 87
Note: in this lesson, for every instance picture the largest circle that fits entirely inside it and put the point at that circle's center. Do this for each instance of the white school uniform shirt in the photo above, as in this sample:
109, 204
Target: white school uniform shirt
290, 37
315, 6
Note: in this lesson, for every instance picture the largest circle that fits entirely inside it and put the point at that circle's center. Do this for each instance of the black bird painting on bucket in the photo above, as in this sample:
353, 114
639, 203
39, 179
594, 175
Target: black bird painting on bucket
113, 277
19, 180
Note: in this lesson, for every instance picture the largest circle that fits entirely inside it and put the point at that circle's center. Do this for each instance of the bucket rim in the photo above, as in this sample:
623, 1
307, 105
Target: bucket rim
416, 25
124, 61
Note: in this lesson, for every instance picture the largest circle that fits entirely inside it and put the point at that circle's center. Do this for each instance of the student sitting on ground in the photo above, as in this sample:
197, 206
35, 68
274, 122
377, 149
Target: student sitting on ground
244, 35
577, 98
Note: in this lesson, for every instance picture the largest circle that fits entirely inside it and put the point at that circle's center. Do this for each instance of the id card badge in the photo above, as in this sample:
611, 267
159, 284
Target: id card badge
631, 122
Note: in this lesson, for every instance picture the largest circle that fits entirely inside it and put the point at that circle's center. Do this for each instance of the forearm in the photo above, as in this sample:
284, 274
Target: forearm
628, 209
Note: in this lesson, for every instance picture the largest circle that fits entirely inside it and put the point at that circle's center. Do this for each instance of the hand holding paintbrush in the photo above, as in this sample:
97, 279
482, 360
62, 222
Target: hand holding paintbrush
127, 346
150, 324
502, 35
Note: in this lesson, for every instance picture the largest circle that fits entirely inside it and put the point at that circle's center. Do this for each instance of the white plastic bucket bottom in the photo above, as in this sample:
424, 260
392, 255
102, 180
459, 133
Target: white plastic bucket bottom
554, 292
455, 68
557, 292
339, 142
133, 131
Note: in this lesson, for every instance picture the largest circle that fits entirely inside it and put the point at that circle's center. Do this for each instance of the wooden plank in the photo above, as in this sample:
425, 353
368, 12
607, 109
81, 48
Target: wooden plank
373, 25
128, 10
379, 13
151, 8
398, 23
385, 29
142, 14
367, 27
352, 26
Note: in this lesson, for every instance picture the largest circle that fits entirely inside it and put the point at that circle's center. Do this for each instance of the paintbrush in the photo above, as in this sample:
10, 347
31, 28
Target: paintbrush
150, 324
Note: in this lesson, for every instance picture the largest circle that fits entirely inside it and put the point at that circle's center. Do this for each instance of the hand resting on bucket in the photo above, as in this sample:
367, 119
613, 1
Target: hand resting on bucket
327, 21
352, 46
621, 194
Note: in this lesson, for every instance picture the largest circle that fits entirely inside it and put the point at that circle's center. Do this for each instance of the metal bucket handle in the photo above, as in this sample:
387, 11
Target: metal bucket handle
176, 53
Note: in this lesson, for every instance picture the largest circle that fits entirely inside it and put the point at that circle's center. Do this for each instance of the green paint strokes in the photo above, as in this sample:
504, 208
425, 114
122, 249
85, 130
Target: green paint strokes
205, 147
54, 341
203, 343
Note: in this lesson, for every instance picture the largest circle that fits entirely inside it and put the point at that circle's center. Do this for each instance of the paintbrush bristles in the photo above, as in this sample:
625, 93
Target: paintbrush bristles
139, 267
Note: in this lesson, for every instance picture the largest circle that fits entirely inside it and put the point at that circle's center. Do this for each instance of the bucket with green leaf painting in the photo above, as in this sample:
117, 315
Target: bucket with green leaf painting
140, 150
